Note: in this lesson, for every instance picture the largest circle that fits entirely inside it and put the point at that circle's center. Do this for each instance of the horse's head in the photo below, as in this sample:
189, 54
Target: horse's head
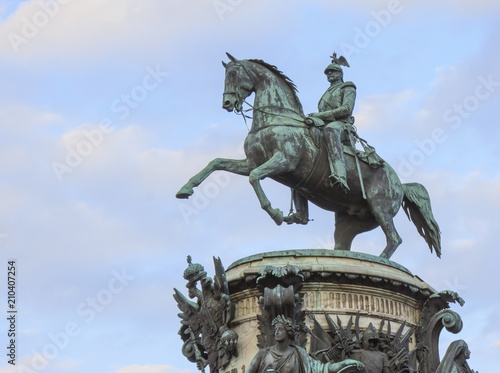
238, 84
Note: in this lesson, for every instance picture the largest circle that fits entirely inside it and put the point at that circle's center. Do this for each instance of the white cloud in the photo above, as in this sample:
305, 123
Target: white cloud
97, 29
39, 362
383, 111
68, 365
93, 31
23, 119
31, 332
9, 369
77, 30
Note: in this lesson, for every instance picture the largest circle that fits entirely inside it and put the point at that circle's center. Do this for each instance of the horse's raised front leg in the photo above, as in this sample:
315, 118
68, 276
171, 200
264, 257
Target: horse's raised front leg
276, 165
236, 166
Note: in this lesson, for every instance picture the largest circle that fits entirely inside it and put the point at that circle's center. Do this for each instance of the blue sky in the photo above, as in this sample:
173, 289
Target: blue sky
101, 242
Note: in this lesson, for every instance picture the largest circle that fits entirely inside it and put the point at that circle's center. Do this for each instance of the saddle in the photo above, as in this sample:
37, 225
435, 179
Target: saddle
368, 155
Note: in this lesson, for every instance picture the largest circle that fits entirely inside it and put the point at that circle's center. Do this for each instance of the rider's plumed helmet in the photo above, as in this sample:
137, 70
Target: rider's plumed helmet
333, 66
336, 63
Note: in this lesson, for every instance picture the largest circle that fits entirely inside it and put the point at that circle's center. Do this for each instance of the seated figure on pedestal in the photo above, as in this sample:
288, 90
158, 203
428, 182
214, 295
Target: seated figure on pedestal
285, 357
455, 359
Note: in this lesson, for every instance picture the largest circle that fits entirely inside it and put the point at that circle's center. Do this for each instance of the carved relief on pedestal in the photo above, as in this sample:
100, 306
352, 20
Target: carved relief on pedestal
280, 287
381, 350
436, 316
246, 305
351, 300
208, 339
329, 298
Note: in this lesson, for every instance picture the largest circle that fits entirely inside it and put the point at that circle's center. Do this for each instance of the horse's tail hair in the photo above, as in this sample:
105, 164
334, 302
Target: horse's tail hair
417, 206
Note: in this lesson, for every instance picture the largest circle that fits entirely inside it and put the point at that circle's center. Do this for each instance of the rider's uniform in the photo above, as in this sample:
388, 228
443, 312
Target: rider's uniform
336, 106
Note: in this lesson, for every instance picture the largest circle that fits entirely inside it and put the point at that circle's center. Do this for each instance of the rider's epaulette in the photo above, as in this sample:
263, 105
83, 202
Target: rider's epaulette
348, 84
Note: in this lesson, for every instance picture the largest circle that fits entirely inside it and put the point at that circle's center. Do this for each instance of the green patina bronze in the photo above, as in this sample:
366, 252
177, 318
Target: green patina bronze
318, 253
315, 156
286, 357
455, 359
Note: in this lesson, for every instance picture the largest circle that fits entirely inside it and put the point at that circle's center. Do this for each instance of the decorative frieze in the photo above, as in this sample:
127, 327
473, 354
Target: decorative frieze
348, 301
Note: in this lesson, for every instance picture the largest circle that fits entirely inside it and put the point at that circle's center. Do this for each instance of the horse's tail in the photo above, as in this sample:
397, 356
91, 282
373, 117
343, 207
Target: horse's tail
417, 206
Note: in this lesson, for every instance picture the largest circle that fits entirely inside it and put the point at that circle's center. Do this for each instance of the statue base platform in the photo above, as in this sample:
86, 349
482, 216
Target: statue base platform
342, 284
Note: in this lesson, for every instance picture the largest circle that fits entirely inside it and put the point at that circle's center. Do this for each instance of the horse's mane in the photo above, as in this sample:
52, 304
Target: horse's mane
280, 74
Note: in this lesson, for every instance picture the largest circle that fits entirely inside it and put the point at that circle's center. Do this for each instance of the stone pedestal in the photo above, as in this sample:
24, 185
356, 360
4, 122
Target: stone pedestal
341, 284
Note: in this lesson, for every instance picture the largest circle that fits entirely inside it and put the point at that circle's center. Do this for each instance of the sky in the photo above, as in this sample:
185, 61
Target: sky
108, 107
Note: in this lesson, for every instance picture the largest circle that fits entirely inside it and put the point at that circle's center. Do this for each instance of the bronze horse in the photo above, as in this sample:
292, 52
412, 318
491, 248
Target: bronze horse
282, 147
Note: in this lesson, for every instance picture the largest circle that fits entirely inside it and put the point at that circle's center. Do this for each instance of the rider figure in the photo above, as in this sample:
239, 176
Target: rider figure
335, 110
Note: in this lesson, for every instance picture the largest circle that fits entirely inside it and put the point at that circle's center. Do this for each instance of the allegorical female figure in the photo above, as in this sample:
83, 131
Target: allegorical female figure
455, 359
286, 357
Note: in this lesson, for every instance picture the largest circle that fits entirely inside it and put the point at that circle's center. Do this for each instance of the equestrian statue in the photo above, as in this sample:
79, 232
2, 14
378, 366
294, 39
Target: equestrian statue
316, 156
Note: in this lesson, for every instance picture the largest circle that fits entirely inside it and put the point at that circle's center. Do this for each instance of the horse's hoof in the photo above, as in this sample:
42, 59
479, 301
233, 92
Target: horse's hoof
277, 216
184, 193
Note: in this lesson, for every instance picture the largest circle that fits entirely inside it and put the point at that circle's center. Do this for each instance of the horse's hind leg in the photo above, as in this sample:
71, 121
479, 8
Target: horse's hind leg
236, 166
349, 226
386, 222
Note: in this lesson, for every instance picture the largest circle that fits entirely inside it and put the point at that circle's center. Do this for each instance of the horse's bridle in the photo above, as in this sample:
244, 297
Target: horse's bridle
242, 100
239, 99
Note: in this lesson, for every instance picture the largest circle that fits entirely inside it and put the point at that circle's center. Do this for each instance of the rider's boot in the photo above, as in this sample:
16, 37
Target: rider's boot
301, 216
336, 160
338, 178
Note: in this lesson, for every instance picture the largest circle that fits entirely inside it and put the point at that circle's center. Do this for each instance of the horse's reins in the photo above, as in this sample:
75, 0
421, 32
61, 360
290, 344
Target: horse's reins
300, 122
